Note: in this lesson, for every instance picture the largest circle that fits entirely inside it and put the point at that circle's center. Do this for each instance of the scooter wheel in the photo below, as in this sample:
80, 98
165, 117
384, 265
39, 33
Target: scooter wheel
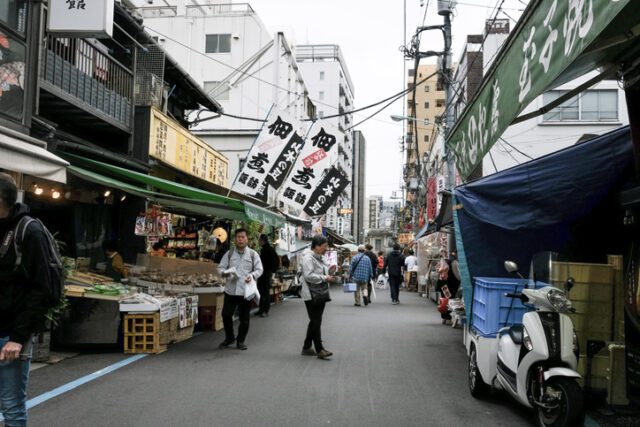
477, 386
570, 409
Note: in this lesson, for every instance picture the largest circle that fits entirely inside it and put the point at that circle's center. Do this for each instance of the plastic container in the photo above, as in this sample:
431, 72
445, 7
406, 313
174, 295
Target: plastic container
491, 307
349, 287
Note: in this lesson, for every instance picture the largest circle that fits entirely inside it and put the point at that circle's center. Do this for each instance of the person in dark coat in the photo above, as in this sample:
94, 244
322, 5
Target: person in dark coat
374, 262
270, 264
23, 301
393, 264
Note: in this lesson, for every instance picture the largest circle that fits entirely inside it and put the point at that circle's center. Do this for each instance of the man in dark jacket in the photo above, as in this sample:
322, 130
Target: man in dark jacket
270, 264
393, 264
374, 262
23, 301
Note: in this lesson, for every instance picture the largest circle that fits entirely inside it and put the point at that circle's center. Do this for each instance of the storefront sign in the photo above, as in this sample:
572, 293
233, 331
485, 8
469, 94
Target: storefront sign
555, 34
441, 188
81, 18
405, 238
345, 211
318, 154
432, 198
172, 144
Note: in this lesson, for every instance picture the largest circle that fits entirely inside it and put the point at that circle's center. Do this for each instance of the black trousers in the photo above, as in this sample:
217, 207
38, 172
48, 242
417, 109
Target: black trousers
314, 310
394, 286
231, 302
264, 286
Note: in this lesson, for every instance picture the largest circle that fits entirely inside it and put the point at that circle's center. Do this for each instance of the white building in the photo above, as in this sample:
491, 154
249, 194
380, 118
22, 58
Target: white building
372, 212
227, 49
330, 87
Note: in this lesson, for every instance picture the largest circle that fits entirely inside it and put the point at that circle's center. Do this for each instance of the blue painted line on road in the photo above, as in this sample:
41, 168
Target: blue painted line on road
80, 381
589, 422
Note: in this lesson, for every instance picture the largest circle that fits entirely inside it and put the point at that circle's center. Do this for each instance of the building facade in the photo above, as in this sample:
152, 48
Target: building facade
227, 49
330, 87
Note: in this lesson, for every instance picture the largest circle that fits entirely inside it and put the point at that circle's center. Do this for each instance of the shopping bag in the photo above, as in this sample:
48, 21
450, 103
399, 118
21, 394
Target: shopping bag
251, 291
382, 282
349, 287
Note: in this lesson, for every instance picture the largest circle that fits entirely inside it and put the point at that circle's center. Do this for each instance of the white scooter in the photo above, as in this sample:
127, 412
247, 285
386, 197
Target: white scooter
535, 362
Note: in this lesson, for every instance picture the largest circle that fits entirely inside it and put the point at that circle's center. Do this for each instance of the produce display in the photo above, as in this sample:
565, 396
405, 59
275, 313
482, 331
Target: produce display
180, 279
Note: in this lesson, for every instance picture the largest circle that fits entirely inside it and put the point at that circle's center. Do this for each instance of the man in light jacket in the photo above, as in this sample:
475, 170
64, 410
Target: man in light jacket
240, 266
361, 271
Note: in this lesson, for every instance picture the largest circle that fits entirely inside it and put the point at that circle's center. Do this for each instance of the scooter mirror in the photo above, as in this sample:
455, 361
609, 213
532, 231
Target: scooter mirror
511, 266
570, 282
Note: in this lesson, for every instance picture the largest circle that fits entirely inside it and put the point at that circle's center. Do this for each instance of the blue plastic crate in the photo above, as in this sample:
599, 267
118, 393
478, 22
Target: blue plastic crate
491, 307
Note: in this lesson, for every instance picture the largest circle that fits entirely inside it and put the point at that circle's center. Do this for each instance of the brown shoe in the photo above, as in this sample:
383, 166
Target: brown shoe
308, 352
323, 354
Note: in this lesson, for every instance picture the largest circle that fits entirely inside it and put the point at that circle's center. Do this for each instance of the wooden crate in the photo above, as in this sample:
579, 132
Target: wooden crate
171, 333
142, 334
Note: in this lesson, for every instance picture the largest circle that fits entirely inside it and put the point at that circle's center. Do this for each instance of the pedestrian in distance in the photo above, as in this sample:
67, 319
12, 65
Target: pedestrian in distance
411, 266
374, 262
240, 265
27, 253
393, 264
361, 272
270, 264
380, 265
315, 277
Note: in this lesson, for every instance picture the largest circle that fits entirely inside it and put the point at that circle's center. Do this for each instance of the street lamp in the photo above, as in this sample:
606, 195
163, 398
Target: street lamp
397, 118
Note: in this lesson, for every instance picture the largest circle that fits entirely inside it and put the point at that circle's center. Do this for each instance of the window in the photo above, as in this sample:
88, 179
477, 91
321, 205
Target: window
426, 88
320, 114
12, 62
426, 138
321, 96
378, 245
592, 105
321, 75
218, 43
14, 14
219, 94
412, 73
426, 105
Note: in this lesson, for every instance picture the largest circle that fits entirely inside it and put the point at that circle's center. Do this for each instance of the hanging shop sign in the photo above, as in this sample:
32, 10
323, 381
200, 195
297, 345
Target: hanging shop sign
174, 145
552, 37
313, 163
271, 156
441, 188
432, 198
81, 18
326, 193
405, 238
345, 211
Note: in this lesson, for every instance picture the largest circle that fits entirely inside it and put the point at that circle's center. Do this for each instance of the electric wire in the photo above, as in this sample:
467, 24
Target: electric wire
512, 146
492, 161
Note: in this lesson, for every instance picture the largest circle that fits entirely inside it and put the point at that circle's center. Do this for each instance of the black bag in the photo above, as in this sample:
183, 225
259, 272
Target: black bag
320, 296
55, 287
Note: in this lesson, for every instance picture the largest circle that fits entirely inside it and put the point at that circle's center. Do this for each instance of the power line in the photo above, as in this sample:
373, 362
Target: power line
512, 146
492, 161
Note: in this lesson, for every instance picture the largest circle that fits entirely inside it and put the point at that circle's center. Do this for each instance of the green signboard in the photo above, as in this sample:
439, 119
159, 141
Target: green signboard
554, 34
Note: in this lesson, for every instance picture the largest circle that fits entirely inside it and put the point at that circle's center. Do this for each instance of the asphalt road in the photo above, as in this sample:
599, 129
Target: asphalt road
392, 365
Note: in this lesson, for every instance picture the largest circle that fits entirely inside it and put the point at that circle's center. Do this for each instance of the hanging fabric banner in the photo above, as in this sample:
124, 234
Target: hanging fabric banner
432, 198
326, 193
277, 136
318, 153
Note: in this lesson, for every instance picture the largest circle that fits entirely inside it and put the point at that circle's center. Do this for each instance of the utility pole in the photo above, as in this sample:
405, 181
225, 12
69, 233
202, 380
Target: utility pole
448, 86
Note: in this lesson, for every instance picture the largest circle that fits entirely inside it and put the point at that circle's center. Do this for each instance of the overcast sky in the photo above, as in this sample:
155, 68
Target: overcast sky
369, 34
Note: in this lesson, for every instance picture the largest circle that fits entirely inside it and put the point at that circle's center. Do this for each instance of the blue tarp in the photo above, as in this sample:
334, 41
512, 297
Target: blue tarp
528, 209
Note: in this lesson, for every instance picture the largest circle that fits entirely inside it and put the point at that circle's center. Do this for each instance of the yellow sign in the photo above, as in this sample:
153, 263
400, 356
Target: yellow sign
172, 144
345, 211
405, 238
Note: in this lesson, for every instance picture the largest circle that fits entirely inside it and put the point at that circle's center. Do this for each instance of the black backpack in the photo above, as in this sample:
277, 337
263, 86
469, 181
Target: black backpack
55, 287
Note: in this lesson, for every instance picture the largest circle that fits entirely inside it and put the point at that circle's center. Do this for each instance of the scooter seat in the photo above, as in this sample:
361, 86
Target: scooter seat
515, 332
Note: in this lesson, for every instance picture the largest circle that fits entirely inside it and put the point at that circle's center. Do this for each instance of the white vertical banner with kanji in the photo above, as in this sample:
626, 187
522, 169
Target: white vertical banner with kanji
318, 154
273, 152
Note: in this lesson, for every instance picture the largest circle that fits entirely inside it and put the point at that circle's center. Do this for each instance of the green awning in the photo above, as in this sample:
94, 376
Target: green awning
554, 42
181, 197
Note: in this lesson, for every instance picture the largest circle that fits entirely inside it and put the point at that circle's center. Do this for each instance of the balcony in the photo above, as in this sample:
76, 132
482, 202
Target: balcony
224, 9
79, 83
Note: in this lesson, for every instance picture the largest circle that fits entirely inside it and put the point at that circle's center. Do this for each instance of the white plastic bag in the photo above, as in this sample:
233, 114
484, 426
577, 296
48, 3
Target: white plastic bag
251, 291
382, 282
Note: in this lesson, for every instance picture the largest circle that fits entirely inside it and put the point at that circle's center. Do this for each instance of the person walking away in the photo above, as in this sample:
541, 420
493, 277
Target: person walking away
411, 264
393, 264
115, 265
25, 299
315, 276
270, 261
360, 271
374, 262
240, 265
